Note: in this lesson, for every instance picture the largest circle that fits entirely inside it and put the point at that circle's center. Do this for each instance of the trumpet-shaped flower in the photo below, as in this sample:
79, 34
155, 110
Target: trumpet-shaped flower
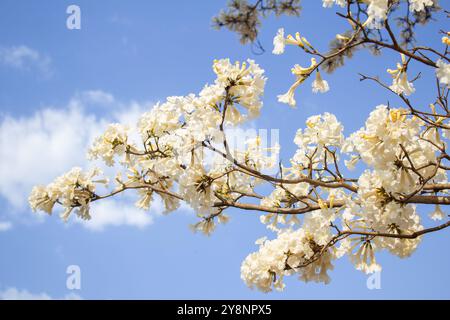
420, 5
320, 85
443, 72
400, 83
279, 42
302, 74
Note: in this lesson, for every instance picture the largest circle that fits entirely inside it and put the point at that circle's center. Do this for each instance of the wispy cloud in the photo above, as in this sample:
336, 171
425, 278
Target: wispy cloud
113, 213
98, 97
17, 294
5, 226
25, 58
37, 148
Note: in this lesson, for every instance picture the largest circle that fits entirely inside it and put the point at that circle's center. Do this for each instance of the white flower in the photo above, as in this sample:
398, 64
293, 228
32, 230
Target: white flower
260, 241
297, 40
377, 12
40, 199
275, 259
378, 143
112, 142
274, 199
400, 83
364, 258
443, 72
196, 187
437, 214
301, 74
279, 42
223, 218
248, 83
162, 118
299, 71
288, 97
419, 5
350, 164
329, 3
73, 190
145, 200
206, 226
323, 130
320, 85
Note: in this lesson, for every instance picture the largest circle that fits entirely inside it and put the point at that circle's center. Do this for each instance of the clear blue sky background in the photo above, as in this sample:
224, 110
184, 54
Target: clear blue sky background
145, 51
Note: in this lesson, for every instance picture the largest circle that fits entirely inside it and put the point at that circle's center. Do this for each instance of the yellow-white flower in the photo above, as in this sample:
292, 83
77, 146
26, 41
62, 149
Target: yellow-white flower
288, 97
320, 85
443, 72
329, 3
419, 5
342, 38
301, 74
279, 42
400, 83
437, 214
377, 12
297, 41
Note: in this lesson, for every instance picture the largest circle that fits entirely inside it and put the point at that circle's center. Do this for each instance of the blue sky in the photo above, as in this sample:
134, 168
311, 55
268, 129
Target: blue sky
127, 56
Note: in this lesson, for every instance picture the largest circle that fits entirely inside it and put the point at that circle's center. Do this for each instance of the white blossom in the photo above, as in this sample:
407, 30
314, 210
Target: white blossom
315, 212
321, 130
320, 85
437, 214
377, 12
400, 83
420, 5
329, 3
279, 42
266, 268
73, 190
301, 74
113, 142
443, 72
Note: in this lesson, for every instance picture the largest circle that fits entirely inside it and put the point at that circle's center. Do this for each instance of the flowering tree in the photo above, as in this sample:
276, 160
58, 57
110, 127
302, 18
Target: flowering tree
317, 213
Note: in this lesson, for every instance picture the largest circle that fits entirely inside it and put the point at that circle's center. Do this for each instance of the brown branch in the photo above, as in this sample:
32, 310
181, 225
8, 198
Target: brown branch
254, 207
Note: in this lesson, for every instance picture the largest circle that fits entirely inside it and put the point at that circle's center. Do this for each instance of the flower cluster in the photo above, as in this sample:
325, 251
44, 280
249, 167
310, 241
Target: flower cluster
377, 10
113, 142
316, 211
73, 190
301, 75
288, 254
175, 136
400, 83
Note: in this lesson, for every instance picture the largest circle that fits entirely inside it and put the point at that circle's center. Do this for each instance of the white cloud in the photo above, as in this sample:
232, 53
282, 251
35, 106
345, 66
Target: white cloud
5, 226
37, 148
98, 97
25, 58
16, 294
110, 213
